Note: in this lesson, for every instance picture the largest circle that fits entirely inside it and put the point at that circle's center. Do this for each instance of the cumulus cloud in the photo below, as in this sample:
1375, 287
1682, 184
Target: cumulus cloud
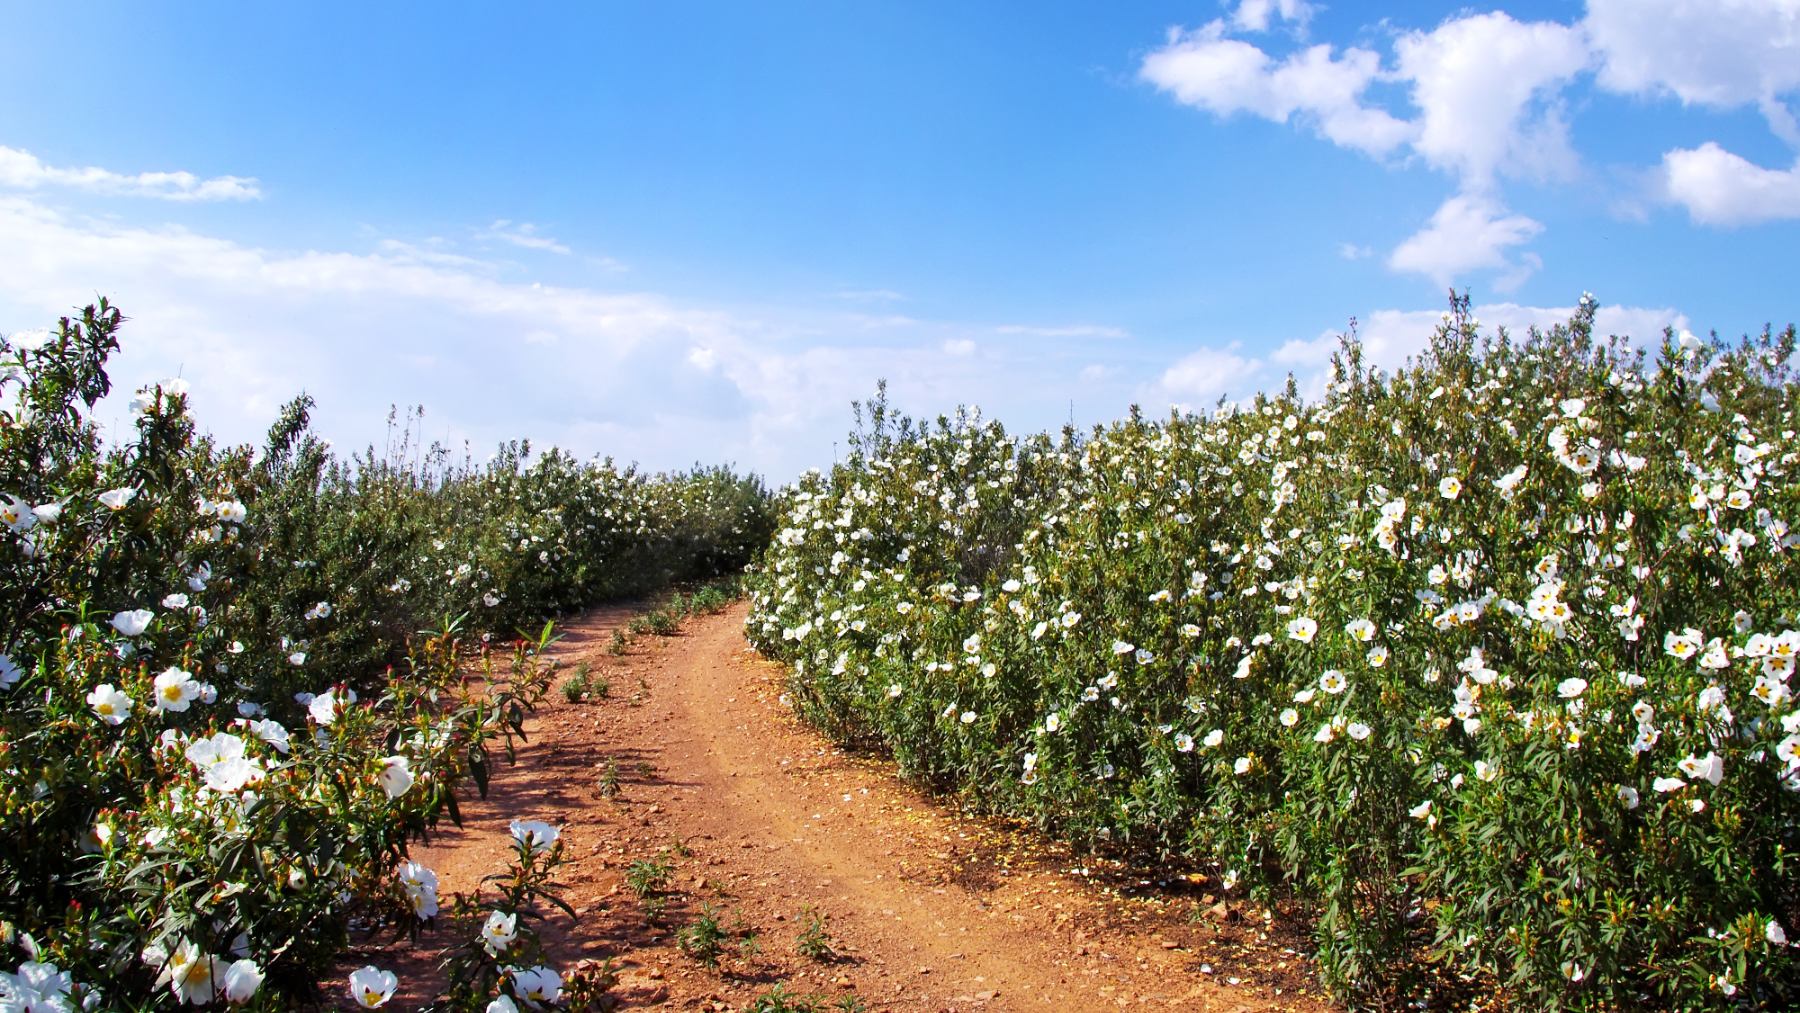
1486, 98
1720, 188
1717, 53
1206, 69
1198, 379
1255, 15
1467, 232
1485, 86
21, 170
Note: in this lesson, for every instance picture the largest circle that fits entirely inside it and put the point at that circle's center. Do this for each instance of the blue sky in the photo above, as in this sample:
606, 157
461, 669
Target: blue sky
672, 233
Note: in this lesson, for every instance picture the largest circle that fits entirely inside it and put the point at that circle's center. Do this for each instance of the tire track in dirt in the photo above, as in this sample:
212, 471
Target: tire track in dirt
927, 910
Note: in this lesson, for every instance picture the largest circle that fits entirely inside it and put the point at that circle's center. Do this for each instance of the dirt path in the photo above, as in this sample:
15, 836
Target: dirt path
761, 818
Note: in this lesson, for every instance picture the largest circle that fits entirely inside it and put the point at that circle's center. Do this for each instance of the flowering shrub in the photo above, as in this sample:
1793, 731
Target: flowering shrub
1486, 662
219, 727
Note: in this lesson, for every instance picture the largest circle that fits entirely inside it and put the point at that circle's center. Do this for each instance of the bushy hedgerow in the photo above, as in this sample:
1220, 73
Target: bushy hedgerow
232, 683
1486, 663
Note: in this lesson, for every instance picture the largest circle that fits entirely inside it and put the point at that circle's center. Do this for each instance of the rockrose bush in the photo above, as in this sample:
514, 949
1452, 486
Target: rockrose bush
221, 727
1486, 664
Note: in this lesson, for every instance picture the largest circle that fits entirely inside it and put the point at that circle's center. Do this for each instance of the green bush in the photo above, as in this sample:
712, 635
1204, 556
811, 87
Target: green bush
231, 682
1486, 662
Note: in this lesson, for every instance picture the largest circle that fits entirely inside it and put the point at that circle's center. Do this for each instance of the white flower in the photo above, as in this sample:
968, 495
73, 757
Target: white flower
1213, 738
192, 975
968, 717
396, 776
1241, 766
297, 658
115, 499
1788, 750
420, 884
1333, 681
1052, 723
1628, 796
36, 988
175, 690
271, 731
1290, 717
9, 672
535, 833
498, 932
16, 514
1683, 645
1668, 784
502, 1004
326, 707
1420, 811
110, 705
1121, 648
1358, 730
1572, 688
1361, 629
1184, 743
537, 985
242, 979
1710, 767
372, 987
1509, 482
134, 622
1325, 733
1450, 487
319, 611
1774, 933
1302, 629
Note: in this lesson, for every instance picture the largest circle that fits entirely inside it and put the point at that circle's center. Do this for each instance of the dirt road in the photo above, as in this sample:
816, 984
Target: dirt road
756, 815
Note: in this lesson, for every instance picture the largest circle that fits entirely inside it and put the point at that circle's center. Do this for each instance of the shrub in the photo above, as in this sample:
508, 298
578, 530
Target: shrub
1485, 662
231, 683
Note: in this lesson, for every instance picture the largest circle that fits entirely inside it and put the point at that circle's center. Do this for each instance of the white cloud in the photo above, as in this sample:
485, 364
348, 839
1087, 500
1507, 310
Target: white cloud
634, 375
1224, 76
1485, 86
524, 235
1720, 188
21, 170
1254, 15
1390, 337
1467, 233
1063, 331
959, 347
1718, 53
1198, 379
868, 295
1351, 251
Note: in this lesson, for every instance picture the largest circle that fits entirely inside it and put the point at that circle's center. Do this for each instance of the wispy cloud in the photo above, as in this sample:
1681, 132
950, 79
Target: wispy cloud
1063, 331
868, 295
522, 234
637, 375
21, 170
